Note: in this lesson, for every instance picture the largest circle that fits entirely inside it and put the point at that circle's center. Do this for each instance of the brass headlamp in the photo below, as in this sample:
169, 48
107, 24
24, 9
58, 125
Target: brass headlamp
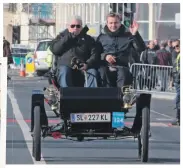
127, 97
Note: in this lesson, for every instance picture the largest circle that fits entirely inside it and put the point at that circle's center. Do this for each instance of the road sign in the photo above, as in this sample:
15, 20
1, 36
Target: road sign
30, 67
29, 60
177, 20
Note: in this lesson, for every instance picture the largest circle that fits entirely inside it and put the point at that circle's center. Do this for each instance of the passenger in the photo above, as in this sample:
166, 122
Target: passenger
75, 43
118, 48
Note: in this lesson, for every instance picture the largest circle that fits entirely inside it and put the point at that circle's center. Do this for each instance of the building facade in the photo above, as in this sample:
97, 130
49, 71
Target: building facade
26, 23
32, 22
156, 20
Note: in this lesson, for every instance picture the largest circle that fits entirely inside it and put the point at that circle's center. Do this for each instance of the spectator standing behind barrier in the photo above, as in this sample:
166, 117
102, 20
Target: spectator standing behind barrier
169, 47
156, 43
164, 58
175, 52
176, 77
148, 57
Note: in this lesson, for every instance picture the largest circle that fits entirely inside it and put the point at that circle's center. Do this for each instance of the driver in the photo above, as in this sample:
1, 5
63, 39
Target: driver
75, 43
118, 49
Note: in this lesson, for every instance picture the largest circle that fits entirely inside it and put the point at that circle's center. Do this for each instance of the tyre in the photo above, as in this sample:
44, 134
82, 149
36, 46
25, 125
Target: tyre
143, 138
36, 151
80, 138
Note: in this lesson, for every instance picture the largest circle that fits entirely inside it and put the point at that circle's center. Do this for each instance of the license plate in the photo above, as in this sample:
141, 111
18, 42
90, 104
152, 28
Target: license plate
90, 117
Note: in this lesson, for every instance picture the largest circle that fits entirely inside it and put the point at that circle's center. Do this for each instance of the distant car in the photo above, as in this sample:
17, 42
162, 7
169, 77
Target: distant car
40, 55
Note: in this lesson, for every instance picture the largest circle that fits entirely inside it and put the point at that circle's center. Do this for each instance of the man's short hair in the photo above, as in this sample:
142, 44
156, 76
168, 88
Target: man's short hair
163, 43
150, 41
112, 14
176, 40
75, 17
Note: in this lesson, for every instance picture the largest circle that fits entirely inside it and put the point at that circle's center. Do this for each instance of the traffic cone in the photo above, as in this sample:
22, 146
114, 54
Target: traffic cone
22, 69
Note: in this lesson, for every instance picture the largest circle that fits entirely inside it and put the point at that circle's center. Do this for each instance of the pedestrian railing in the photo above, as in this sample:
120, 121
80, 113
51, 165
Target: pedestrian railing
147, 77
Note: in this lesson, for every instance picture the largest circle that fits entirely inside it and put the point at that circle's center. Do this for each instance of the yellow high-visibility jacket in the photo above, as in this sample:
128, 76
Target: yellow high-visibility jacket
49, 58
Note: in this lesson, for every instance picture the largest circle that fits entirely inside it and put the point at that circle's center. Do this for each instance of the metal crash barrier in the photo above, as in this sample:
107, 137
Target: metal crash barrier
147, 77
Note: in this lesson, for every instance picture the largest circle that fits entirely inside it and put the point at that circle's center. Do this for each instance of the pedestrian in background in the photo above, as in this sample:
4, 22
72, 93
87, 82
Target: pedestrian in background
147, 76
7, 53
169, 47
175, 52
164, 58
176, 79
156, 43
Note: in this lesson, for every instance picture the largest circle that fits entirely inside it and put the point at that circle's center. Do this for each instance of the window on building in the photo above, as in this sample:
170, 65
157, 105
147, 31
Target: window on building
167, 30
16, 35
142, 12
144, 30
165, 20
166, 11
12, 7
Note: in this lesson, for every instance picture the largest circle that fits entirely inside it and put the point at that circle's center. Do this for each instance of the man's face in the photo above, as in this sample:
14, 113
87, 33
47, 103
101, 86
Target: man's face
176, 46
155, 41
75, 27
151, 44
169, 43
113, 23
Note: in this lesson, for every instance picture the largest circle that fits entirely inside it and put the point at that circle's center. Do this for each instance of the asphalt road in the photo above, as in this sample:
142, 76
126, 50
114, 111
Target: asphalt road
164, 143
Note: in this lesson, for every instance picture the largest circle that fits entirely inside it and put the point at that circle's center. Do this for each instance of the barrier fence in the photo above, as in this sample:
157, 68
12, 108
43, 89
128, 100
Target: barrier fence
147, 77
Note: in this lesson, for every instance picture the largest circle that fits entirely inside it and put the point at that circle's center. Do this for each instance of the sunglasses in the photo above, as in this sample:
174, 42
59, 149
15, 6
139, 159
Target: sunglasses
77, 26
176, 46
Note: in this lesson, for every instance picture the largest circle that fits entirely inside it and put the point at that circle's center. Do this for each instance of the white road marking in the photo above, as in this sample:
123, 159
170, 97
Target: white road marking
23, 126
164, 119
153, 111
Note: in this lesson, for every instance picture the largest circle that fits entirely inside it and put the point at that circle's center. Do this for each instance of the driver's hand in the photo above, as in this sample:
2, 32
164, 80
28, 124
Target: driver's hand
84, 66
111, 59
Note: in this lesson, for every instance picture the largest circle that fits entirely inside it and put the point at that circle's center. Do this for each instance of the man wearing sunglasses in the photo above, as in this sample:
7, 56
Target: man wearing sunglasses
176, 49
176, 78
118, 47
75, 43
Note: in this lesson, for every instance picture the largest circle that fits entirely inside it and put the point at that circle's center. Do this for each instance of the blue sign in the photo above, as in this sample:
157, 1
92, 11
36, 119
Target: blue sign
29, 60
118, 119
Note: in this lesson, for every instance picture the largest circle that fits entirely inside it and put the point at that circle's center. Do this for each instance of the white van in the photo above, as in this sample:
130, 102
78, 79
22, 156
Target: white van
40, 55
